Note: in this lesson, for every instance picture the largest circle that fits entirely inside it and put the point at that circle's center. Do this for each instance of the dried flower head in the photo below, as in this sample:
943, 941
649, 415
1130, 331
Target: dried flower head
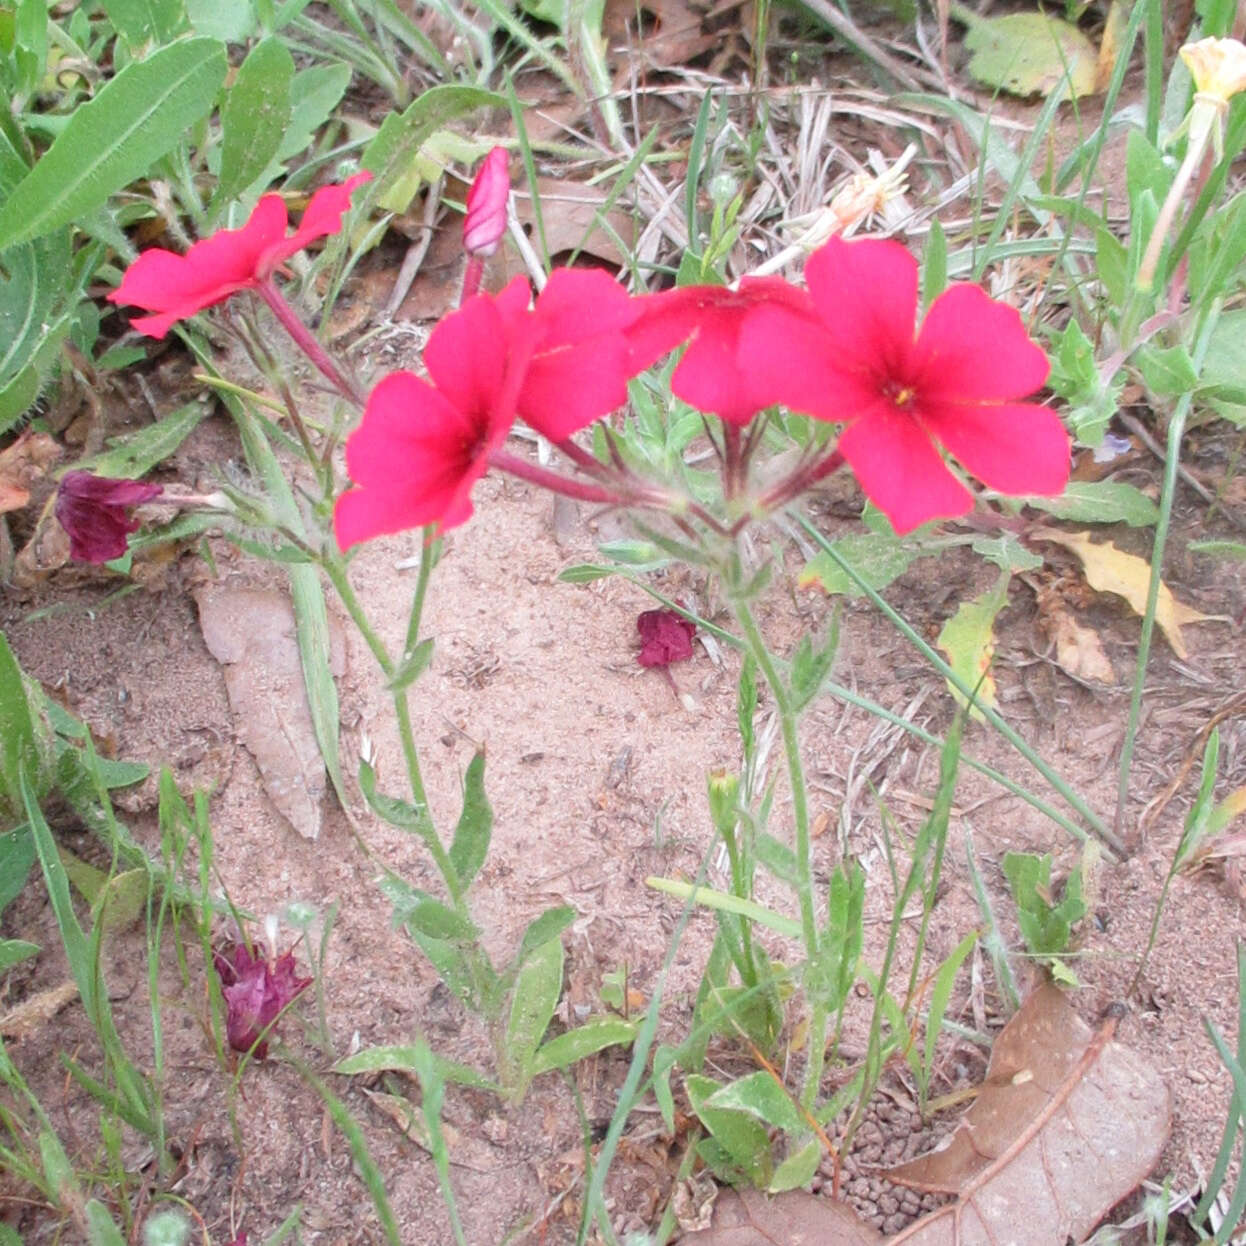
96, 513
257, 988
1218, 67
665, 637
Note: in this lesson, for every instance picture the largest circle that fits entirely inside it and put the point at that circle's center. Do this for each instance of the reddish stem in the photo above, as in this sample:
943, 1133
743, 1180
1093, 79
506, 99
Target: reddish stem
307, 343
504, 461
472, 276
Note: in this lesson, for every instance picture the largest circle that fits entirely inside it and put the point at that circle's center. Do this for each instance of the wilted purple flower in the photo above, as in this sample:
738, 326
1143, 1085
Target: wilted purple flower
95, 512
665, 637
485, 222
256, 990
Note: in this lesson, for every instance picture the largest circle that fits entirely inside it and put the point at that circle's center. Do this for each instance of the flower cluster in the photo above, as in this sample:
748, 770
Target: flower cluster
846, 349
257, 989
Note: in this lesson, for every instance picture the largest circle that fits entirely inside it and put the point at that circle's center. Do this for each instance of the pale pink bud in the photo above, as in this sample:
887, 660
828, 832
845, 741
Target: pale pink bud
485, 222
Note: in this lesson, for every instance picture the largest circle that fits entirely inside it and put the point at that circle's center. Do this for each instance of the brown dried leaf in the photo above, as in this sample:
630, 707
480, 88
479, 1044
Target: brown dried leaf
569, 212
677, 35
250, 632
794, 1218
24, 462
1067, 1123
35, 1012
1079, 649
1111, 570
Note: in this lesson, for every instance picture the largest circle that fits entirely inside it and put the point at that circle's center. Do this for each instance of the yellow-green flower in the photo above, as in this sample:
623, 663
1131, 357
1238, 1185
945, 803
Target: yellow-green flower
1218, 67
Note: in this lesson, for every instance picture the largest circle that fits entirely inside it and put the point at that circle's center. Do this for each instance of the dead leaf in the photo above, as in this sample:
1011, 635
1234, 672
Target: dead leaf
676, 37
569, 214
250, 632
794, 1218
22, 1021
1079, 649
1067, 1123
24, 462
1111, 570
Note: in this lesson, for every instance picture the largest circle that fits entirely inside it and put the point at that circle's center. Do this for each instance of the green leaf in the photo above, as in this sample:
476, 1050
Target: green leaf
14, 951
17, 855
744, 1140
32, 295
134, 456
726, 903
586, 1040
1100, 501
18, 744
399, 813
101, 1228
940, 993
761, 1096
314, 94
585, 573
1029, 53
830, 973
405, 1059
541, 930
475, 827
230, 21
1167, 371
810, 666
435, 920
398, 141
411, 666
254, 118
968, 639
538, 986
135, 119
798, 1170
877, 557
140, 22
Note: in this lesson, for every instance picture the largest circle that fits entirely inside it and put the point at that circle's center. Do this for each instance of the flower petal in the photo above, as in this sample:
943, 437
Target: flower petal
793, 361
1018, 448
865, 293
467, 354
484, 222
578, 303
972, 348
566, 390
322, 217
901, 471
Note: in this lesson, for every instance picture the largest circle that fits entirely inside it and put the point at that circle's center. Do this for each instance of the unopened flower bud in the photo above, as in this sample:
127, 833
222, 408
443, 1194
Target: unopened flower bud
1218, 67
723, 790
485, 222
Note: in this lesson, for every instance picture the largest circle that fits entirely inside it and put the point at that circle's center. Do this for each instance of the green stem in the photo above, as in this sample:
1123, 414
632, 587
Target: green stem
335, 569
1172, 462
800, 813
902, 625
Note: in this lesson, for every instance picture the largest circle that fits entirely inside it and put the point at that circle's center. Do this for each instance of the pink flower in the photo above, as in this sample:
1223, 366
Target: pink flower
256, 991
713, 375
421, 447
95, 512
485, 221
904, 391
582, 357
176, 286
665, 637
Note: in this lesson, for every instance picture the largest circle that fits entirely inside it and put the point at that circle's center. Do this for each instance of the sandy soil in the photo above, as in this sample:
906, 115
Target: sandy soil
596, 774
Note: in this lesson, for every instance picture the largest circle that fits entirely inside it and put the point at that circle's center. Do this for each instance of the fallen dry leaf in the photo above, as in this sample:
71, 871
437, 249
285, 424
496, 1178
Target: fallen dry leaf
1079, 649
24, 462
250, 632
1067, 1123
37, 1011
569, 214
795, 1218
1111, 570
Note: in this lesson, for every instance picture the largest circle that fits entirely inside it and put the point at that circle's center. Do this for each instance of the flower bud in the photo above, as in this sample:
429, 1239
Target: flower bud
1218, 67
723, 789
485, 222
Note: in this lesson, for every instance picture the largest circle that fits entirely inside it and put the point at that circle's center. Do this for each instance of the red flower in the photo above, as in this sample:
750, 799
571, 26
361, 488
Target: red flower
485, 221
581, 358
665, 637
421, 447
713, 375
256, 991
176, 286
903, 393
95, 512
